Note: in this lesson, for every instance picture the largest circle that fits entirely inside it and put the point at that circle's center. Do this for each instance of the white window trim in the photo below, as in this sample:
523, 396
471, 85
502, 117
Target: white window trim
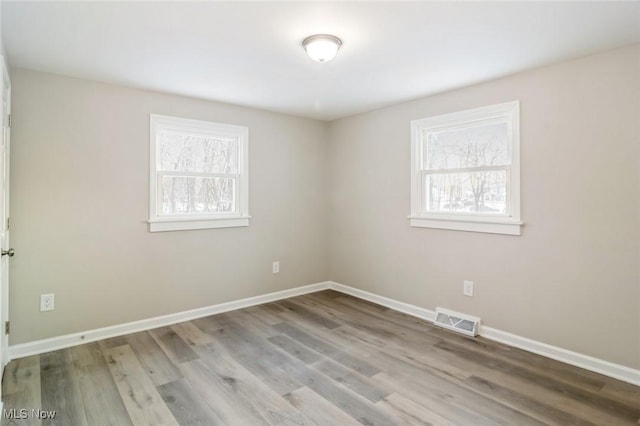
159, 223
509, 224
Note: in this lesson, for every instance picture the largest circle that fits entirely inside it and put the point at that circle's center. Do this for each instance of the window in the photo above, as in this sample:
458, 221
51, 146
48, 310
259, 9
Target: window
466, 170
199, 176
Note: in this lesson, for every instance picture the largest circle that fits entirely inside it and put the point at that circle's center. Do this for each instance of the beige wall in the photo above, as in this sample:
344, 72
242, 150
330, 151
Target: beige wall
80, 205
572, 279
79, 200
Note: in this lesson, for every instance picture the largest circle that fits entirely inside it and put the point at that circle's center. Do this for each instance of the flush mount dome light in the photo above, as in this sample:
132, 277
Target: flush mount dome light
322, 47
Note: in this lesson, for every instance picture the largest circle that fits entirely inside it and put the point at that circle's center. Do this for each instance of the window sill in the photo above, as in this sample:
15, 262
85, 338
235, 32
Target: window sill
507, 227
187, 224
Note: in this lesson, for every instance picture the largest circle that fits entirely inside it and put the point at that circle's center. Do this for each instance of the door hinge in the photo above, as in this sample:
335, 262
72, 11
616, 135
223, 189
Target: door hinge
7, 327
9, 120
7, 224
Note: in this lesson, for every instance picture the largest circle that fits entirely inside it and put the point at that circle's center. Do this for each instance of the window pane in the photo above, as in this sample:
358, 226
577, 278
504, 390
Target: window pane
482, 145
477, 192
197, 195
190, 153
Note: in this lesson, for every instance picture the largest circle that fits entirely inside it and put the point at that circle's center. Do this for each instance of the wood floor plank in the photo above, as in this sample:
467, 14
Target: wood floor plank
112, 342
528, 404
102, 402
186, 405
450, 393
318, 409
539, 365
358, 351
209, 325
542, 396
411, 412
296, 349
141, 398
21, 389
229, 409
381, 323
22, 374
248, 387
320, 333
444, 365
172, 344
327, 349
308, 315
323, 358
253, 323
623, 391
263, 314
289, 366
191, 334
362, 385
352, 307
615, 407
415, 354
153, 359
260, 356
317, 344
430, 361
517, 393
439, 402
59, 389
351, 403
361, 303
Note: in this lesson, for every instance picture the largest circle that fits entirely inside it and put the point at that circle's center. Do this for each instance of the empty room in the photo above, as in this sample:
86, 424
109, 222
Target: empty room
320, 213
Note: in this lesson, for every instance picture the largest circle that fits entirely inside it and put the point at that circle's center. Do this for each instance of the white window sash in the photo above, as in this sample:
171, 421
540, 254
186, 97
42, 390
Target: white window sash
197, 174
506, 167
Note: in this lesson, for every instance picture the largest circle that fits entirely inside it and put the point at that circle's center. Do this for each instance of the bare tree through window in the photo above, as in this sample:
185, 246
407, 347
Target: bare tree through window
467, 169
202, 173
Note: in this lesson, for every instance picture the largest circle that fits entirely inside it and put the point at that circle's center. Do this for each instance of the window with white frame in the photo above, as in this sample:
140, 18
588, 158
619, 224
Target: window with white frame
466, 170
199, 174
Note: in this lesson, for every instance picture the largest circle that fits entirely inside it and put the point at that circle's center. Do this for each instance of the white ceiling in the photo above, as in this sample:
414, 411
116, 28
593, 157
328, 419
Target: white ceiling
250, 53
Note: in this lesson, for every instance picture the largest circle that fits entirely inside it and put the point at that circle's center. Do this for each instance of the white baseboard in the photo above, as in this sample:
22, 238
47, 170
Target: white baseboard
606, 368
68, 340
406, 308
617, 371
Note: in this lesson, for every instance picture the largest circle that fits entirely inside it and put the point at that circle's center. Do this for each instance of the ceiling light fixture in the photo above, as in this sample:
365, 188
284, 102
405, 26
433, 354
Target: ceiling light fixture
322, 47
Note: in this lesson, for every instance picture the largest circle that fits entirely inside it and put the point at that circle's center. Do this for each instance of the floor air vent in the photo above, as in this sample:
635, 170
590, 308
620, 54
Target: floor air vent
465, 324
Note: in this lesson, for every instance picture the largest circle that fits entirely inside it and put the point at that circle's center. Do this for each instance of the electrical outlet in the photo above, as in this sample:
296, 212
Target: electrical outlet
46, 302
467, 288
276, 267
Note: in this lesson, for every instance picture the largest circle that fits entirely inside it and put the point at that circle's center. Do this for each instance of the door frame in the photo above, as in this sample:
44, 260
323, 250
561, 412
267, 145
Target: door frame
4, 279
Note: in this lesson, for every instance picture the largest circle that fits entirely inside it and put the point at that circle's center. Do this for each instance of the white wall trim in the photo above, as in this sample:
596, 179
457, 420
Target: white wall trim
606, 368
68, 340
587, 362
497, 227
406, 308
617, 371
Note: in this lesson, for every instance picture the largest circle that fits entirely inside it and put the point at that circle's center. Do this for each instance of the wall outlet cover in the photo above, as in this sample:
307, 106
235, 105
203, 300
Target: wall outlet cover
467, 288
47, 302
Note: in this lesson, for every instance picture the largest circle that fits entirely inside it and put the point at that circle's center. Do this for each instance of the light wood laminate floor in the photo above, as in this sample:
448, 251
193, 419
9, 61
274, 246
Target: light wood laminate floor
324, 358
